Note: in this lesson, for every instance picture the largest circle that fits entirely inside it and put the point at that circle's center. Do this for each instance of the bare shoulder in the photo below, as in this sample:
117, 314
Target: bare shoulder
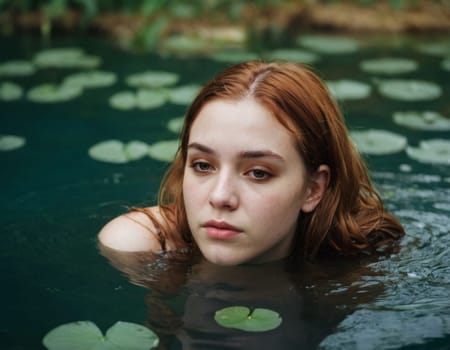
131, 232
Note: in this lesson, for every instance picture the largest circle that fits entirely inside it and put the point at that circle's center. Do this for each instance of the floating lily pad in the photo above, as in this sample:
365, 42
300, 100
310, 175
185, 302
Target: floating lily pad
389, 65
149, 99
446, 64
65, 58
91, 79
10, 91
124, 100
328, 44
241, 317
152, 79
176, 125
184, 95
185, 45
87, 336
441, 48
53, 93
378, 142
409, 90
11, 142
163, 150
435, 151
349, 89
234, 56
115, 151
16, 68
422, 120
293, 55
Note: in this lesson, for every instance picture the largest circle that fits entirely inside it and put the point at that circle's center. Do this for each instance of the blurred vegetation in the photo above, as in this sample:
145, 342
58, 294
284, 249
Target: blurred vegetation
146, 21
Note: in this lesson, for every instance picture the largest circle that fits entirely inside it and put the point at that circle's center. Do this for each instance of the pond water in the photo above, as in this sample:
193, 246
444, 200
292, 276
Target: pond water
55, 197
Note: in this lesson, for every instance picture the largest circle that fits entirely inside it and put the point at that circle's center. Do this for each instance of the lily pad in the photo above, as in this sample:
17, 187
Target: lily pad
91, 79
65, 58
349, 89
446, 64
115, 151
293, 55
176, 124
85, 335
11, 142
183, 45
439, 48
389, 65
16, 68
234, 56
241, 317
378, 142
149, 99
409, 90
124, 100
184, 95
422, 120
53, 93
434, 151
152, 79
163, 150
328, 44
10, 91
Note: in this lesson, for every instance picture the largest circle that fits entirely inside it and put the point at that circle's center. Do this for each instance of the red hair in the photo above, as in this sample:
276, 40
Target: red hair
350, 217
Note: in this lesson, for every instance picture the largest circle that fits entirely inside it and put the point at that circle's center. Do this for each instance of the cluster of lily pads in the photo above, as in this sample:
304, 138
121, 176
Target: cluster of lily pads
126, 335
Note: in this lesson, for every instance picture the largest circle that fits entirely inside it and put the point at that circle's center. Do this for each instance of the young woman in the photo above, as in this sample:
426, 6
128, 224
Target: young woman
265, 171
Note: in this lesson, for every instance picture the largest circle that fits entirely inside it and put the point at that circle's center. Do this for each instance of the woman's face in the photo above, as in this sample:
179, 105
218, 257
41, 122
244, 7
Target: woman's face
244, 183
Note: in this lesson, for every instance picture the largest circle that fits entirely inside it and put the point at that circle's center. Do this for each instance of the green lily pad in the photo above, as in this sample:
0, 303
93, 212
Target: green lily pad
163, 150
422, 120
409, 90
328, 44
11, 142
124, 100
349, 89
182, 45
234, 56
10, 91
53, 93
16, 68
293, 55
85, 335
115, 151
434, 151
65, 58
184, 95
240, 317
149, 99
446, 64
91, 79
389, 65
176, 124
439, 48
152, 79
378, 142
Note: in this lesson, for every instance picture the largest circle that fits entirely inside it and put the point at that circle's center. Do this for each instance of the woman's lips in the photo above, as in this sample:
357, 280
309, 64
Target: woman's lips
220, 229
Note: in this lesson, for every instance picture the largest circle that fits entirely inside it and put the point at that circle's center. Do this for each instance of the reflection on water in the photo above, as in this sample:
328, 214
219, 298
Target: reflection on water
54, 199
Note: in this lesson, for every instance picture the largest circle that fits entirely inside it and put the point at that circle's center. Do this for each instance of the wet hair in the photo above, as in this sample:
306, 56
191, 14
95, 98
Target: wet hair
350, 217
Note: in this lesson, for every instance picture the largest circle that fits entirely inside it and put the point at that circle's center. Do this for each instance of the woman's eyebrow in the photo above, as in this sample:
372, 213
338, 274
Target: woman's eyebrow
244, 154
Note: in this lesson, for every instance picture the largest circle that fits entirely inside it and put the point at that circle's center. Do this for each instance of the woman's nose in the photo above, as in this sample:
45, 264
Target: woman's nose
224, 194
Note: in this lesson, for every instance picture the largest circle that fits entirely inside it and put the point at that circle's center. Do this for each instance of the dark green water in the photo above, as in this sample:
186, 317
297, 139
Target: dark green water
54, 199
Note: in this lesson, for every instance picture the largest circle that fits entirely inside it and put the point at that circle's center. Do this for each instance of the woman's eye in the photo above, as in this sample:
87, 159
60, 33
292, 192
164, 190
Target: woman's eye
259, 174
201, 167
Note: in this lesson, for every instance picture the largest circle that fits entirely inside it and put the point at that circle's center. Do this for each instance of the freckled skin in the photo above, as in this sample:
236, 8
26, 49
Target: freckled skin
261, 195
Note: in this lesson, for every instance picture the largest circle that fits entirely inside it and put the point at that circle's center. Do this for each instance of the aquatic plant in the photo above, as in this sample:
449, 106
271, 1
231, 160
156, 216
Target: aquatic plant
17, 68
115, 151
241, 317
409, 90
11, 142
389, 65
52, 93
378, 142
434, 151
349, 89
176, 124
422, 120
328, 44
235, 56
65, 57
10, 91
152, 79
163, 150
294, 55
184, 95
91, 79
87, 336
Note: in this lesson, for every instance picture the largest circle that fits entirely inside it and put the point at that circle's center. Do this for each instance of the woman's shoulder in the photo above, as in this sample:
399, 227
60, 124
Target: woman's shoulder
132, 232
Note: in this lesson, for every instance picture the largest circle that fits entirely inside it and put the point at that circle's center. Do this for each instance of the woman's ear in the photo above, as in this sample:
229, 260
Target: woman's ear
318, 184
